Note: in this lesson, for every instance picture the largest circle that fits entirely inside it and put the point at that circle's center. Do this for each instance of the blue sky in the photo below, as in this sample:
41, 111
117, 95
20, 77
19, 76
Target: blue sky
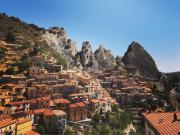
155, 24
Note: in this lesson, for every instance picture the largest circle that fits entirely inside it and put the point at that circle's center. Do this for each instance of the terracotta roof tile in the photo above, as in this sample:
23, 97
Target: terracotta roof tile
29, 112
163, 122
33, 101
59, 112
7, 122
2, 108
48, 112
73, 106
80, 104
36, 111
19, 103
62, 101
94, 100
5, 97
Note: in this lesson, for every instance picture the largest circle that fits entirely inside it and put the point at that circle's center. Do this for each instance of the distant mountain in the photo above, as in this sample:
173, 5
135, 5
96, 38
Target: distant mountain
138, 57
173, 74
174, 80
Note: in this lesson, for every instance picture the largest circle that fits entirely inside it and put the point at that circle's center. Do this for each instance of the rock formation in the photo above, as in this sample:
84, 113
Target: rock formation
139, 58
86, 56
105, 58
57, 38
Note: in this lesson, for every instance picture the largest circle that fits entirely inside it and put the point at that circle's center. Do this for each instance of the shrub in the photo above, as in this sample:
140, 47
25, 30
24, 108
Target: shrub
10, 37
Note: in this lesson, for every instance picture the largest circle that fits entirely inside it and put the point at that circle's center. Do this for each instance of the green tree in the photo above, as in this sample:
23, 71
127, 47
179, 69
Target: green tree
114, 122
107, 115
97, 117
101, 130
118, 132
115, 108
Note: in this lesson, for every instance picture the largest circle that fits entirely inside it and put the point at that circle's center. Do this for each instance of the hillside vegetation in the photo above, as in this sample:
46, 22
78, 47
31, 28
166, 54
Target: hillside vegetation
15, 31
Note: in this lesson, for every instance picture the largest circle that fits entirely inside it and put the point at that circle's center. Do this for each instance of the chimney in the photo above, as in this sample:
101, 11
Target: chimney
175, 117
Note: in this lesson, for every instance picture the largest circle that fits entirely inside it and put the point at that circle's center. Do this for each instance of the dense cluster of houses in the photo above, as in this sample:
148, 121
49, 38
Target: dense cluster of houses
125, 86
50, 99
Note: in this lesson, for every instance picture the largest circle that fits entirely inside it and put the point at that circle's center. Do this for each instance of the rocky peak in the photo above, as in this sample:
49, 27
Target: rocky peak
57, 30
104, 58
139, 58
86, 47
135, 47
71, 45
56, 37
86, 56
101, 47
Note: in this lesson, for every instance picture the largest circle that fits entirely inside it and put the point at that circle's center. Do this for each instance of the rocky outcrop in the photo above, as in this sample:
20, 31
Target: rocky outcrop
104, 58
86, 57
57, 38
119, 63
136, 56
101, 59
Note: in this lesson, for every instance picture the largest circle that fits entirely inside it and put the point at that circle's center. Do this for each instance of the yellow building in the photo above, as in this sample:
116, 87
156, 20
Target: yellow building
7, 126
23, 126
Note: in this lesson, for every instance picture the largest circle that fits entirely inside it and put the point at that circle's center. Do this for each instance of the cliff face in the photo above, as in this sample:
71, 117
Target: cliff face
86, 57
57, 38
138, 57
101, 59
104, 58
